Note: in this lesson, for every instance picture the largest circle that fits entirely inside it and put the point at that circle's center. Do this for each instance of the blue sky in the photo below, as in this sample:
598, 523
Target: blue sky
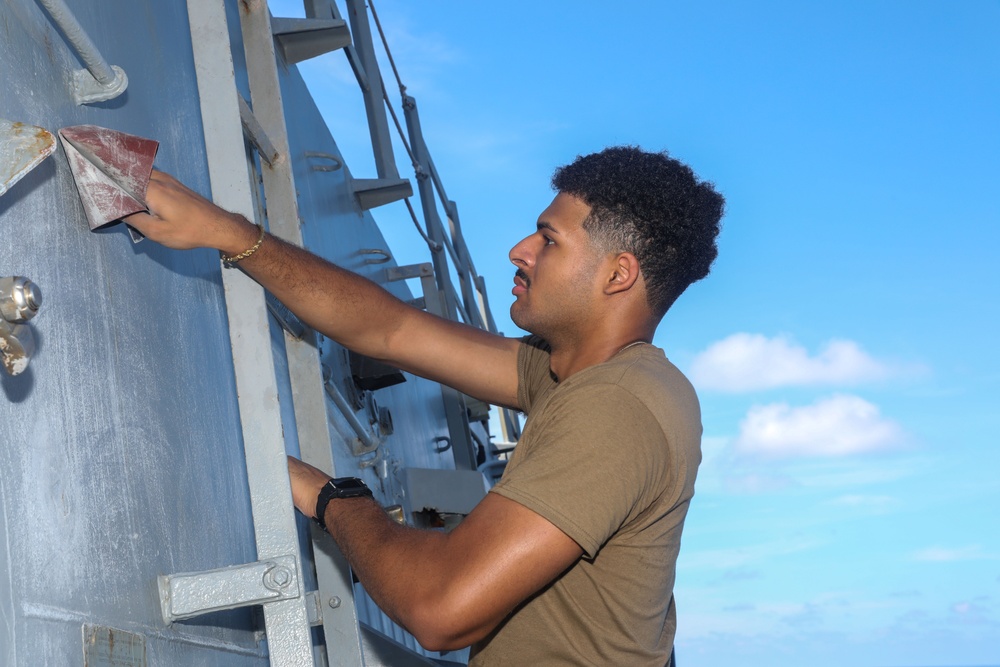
844, 346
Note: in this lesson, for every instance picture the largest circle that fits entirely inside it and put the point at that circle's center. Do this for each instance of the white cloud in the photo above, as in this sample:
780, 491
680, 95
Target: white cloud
949, 555
748, 362
837, 426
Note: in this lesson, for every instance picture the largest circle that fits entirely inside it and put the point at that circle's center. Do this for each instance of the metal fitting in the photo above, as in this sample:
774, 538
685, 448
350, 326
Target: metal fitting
20, 299
277, 578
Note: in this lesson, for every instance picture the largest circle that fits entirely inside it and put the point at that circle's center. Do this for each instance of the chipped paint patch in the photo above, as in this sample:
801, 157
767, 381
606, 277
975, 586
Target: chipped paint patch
22, 148
108, 647
12, 356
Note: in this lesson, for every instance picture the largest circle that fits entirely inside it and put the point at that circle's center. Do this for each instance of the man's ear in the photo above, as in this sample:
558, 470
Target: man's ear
624, 273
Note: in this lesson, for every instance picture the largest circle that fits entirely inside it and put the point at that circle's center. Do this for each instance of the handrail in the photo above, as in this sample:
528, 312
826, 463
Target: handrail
106, 81
433, 245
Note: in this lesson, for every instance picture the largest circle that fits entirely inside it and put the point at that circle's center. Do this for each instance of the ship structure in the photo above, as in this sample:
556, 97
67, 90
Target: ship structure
150, 396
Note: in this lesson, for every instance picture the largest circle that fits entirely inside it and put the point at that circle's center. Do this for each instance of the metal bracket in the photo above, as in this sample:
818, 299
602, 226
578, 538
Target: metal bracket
87, 89
100, 81
365, 441
22, 148
424, 270
314, 608
431, 300
196, 593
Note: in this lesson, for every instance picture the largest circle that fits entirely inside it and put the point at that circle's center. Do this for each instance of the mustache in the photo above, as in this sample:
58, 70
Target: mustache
523, 276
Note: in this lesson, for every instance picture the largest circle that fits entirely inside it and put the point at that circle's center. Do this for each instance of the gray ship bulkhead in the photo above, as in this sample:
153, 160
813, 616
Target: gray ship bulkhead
121, 447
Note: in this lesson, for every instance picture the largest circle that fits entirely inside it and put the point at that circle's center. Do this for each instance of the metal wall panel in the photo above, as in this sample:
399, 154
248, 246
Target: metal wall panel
119, 446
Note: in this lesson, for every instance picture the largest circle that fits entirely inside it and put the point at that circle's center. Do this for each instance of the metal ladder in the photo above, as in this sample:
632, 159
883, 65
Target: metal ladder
275, 581
230, 122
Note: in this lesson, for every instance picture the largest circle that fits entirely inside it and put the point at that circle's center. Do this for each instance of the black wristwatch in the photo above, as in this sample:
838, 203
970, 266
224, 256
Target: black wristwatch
342, 487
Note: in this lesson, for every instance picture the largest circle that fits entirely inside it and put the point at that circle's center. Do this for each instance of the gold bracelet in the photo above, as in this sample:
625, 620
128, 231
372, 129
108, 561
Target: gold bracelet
230, 261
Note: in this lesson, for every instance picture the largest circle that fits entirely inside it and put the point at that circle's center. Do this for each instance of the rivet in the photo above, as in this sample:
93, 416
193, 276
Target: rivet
334, 602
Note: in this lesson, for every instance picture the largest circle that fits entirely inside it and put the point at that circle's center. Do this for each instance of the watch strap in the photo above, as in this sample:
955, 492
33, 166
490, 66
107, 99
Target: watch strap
341, 487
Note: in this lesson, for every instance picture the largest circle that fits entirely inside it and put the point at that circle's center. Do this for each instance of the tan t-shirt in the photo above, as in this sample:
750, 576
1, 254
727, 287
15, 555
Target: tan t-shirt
609, 456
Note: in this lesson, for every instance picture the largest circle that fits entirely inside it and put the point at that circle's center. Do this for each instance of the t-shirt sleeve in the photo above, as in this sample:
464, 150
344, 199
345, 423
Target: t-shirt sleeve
596, 459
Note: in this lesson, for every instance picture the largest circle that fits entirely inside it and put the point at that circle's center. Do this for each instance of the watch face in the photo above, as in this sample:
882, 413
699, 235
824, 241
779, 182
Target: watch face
347, 483
349, 487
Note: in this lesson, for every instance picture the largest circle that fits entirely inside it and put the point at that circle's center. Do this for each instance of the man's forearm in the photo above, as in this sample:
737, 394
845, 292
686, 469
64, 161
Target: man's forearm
350, 309
411, 574
338, 303
390, 560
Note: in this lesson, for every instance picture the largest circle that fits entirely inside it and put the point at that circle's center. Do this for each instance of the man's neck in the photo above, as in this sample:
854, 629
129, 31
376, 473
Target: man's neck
568, 359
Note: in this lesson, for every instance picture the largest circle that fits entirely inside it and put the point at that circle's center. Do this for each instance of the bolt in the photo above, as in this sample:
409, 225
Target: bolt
277, 578
32, 296
20, 299
282, 577
334, 602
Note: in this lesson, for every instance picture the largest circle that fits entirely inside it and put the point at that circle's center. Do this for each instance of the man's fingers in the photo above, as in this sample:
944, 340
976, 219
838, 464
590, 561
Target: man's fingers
138, 220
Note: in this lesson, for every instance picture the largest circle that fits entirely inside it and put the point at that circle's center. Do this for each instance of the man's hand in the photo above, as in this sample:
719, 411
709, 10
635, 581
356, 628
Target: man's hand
307, 482
181, 218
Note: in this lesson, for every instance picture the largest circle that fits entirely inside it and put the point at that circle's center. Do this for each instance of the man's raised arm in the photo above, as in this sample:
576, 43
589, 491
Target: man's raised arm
350, 309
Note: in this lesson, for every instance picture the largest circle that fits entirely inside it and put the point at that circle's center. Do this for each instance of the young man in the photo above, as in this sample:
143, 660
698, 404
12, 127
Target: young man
570, 558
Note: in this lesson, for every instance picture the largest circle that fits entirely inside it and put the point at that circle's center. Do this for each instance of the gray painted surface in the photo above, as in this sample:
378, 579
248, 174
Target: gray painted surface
121, 454
120, 444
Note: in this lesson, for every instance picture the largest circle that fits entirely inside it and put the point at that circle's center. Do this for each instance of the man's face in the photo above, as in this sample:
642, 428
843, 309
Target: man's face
557, 279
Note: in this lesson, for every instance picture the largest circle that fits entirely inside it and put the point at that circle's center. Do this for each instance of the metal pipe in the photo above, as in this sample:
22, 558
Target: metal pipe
80, 40
345, 408
110, 80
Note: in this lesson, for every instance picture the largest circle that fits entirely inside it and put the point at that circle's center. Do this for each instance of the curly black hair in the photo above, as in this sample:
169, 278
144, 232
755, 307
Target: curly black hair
653, 206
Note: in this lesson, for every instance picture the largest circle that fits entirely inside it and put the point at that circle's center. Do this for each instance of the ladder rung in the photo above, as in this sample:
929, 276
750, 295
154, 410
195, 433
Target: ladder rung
374, 192
255, 133
302, 39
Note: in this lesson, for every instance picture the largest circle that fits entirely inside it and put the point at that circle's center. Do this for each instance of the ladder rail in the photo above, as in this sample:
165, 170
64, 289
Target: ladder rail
286, 620
340, 621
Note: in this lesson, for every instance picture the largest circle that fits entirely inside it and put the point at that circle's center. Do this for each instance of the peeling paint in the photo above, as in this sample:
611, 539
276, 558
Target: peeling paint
22, 148
12, 355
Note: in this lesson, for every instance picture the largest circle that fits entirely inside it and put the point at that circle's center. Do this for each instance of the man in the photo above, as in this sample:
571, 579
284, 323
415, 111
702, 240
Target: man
570, 558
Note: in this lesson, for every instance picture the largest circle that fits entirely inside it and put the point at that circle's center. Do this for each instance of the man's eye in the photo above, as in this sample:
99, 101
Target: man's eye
548, 241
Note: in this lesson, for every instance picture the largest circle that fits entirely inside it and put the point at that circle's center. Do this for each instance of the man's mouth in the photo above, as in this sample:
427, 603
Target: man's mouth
521, 282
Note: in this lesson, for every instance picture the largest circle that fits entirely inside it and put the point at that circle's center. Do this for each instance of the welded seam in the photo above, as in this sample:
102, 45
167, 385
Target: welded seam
46, 612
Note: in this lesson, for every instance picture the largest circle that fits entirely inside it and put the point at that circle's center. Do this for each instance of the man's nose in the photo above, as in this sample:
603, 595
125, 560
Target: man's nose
520, 254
